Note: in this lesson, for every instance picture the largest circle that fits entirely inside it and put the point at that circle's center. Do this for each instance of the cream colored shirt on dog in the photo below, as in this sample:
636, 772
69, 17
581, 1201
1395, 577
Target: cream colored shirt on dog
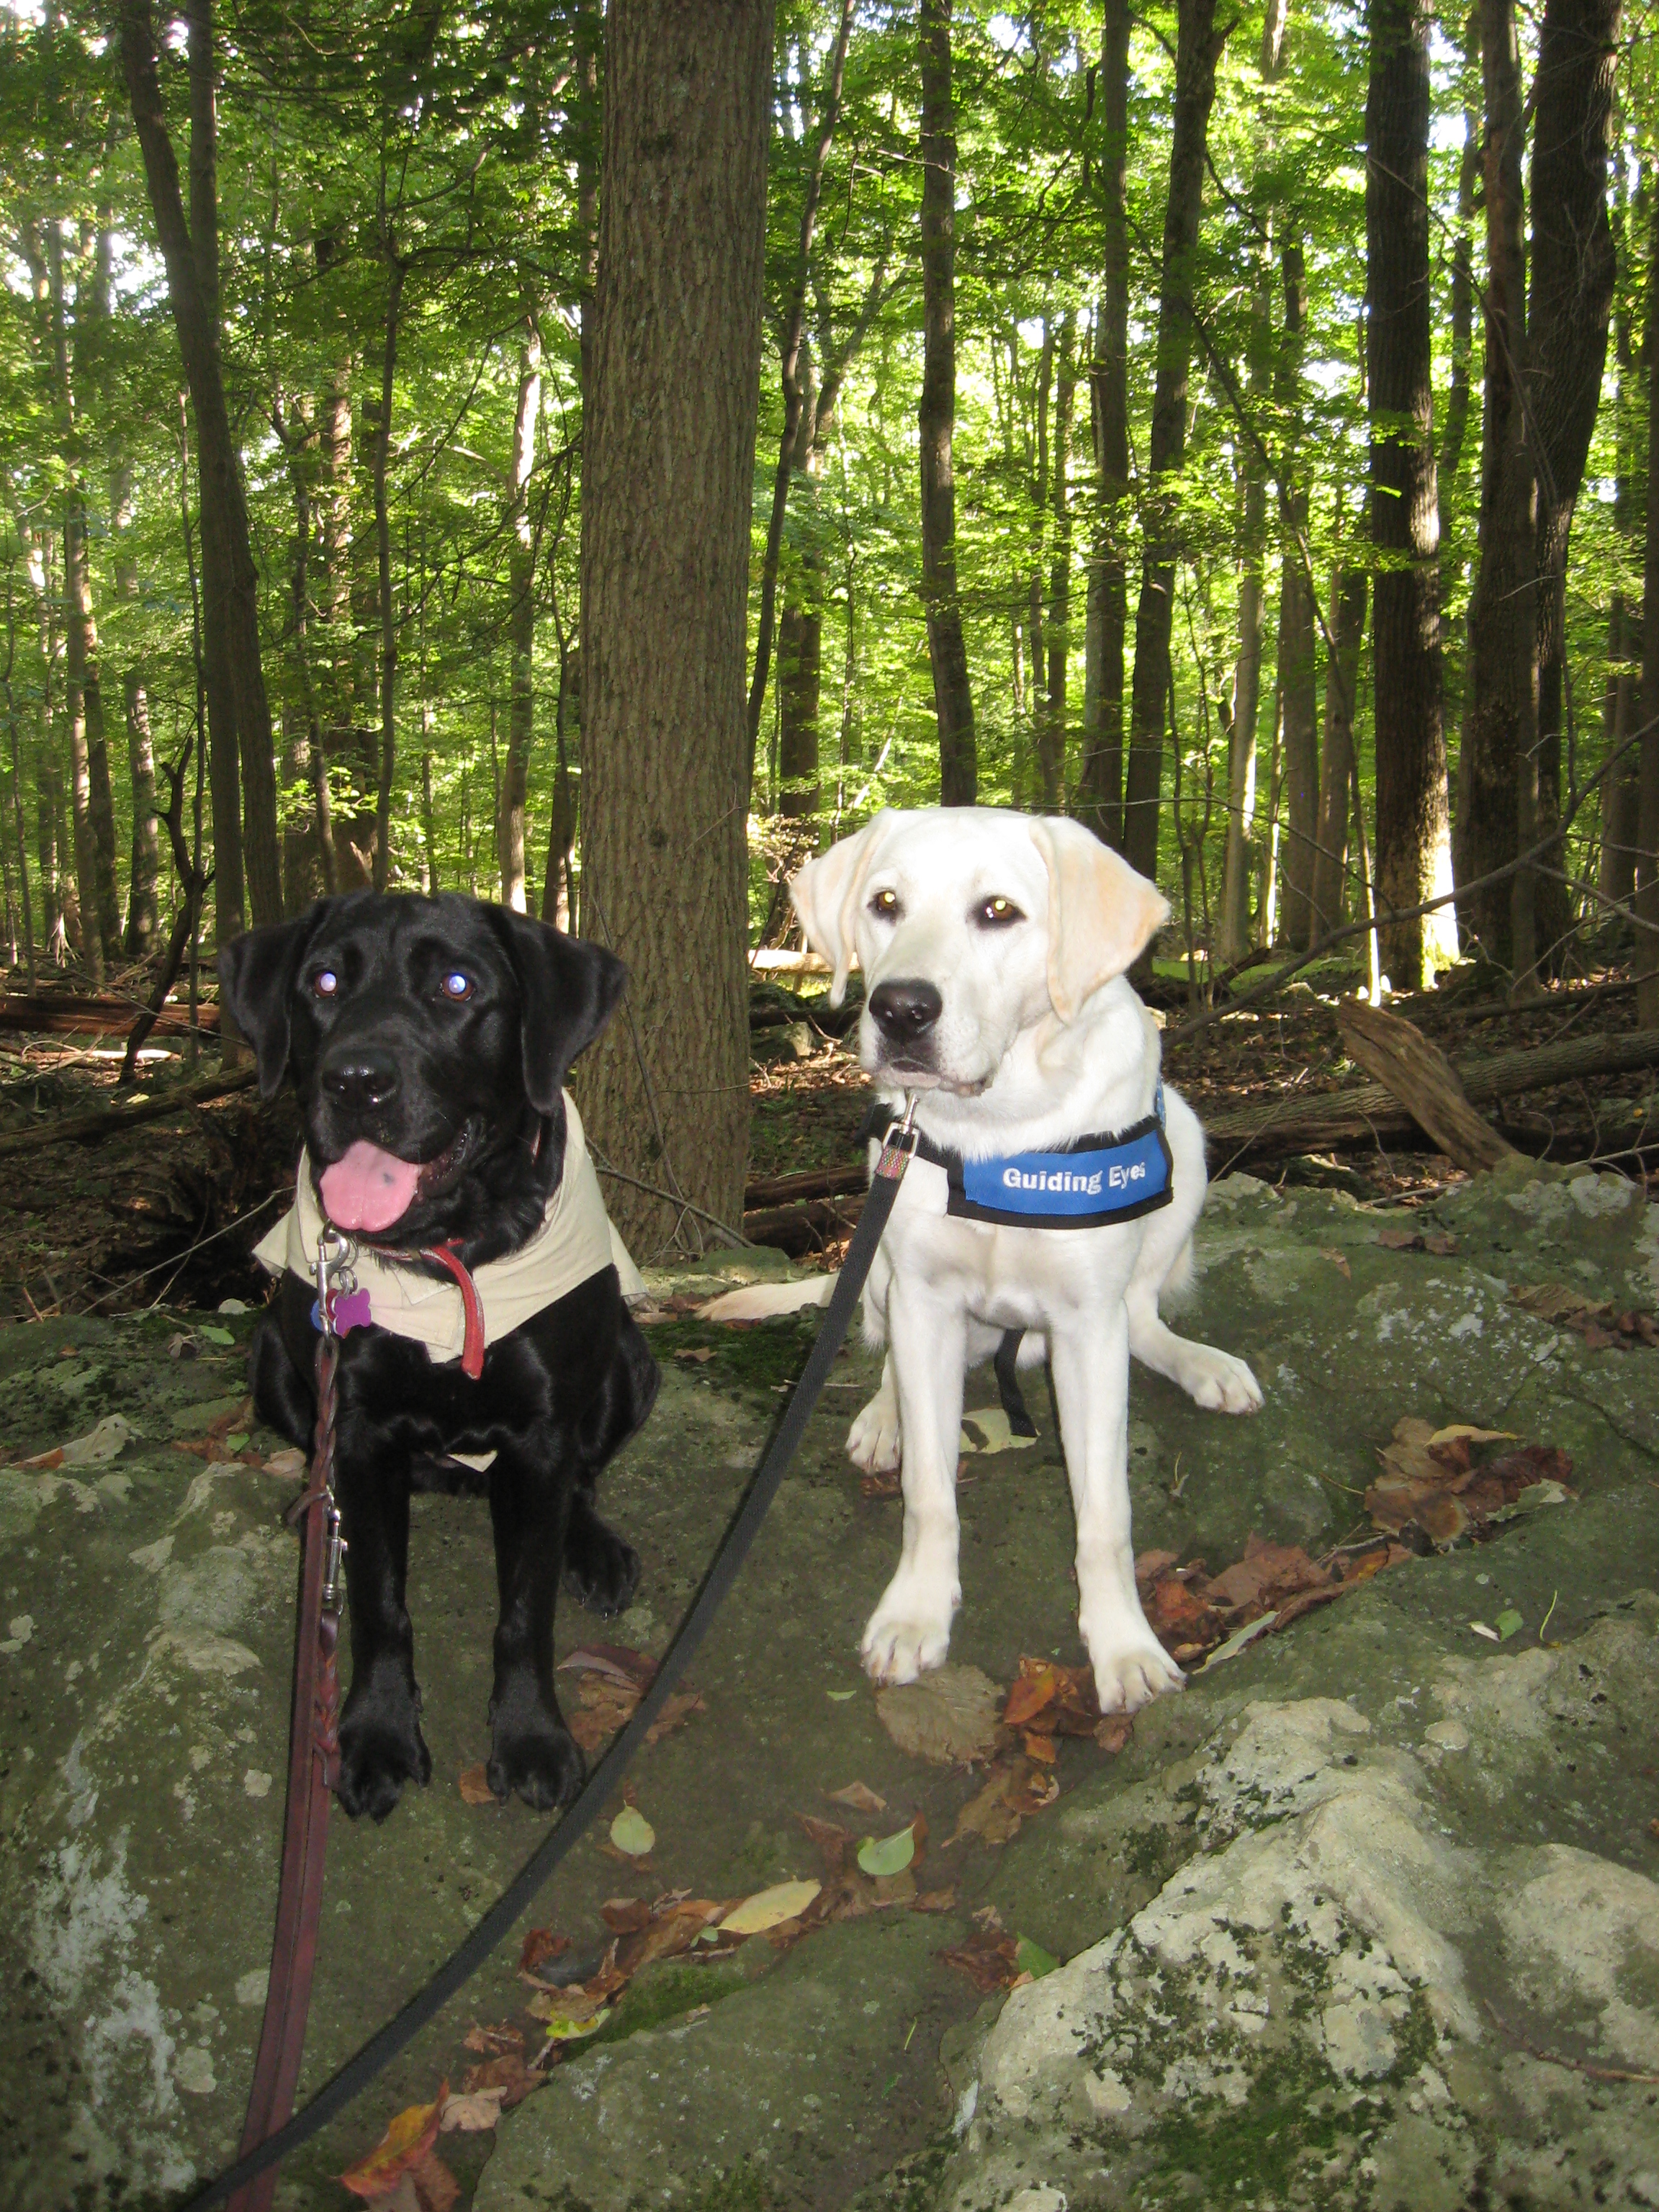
577, 1240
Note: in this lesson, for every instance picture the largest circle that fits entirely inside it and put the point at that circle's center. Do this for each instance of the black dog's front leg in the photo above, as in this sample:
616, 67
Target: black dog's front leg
532, 1750
381, 1746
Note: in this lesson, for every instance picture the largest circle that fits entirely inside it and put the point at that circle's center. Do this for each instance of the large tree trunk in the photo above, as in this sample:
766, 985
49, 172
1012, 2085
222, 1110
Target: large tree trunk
89, 784
1414, 827
1647, 893
1298, 672
1620, 795
1573, 267
521, 622
1198, 49
231, 615
1100, 773
1455, 428
1051, 746
1234, 921
396, 270
1497, 774
665, 587
792, 365
1347, 602
953, 700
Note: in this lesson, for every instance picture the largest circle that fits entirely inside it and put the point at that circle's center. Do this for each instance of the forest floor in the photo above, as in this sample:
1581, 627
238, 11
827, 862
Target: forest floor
1364, 1917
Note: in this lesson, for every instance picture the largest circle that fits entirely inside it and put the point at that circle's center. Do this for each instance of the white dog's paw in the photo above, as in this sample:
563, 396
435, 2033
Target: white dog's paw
874, 1442
1131, 1673
910, 1633
1217, 1381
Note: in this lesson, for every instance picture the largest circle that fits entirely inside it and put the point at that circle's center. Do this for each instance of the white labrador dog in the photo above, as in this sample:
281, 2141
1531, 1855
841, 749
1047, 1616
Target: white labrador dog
994, 947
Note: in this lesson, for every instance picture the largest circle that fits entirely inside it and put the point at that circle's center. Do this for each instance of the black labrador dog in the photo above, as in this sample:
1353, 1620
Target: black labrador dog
432, 1036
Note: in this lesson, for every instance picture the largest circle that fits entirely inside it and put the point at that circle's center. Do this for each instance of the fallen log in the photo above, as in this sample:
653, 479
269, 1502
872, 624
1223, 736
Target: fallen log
1423, 1079
63, 1013
93, 1129
798, 1229
810, 1182
1370, 1113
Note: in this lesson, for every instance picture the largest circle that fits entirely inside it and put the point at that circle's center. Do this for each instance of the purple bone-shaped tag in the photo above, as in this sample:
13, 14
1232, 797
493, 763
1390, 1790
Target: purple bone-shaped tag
350, 1311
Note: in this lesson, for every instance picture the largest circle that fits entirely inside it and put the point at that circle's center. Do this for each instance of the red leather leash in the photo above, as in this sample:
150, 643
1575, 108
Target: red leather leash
313, 1767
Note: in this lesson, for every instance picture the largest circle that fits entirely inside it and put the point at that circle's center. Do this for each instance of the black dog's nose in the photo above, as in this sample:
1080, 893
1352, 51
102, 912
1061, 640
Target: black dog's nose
360, 1076
904, 1013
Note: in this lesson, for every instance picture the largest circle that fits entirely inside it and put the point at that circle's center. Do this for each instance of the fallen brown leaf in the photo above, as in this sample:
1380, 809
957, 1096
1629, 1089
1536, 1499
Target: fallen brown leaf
989, 1959
470, 2115
934, 1900
950, 1716
410, 2135
494, 2040
860, 1799
1113, 1733
1338, 1260
508, 2074
435, 2187
475, 1788
540, 1945
834, 1842
676, 1709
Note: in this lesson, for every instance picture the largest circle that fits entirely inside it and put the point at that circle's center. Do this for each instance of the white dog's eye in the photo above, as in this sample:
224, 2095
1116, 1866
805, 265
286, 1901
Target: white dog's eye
997, 914
886, 906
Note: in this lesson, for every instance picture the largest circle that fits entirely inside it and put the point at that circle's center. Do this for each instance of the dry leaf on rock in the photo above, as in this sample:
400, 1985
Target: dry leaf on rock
883, 1484
625, 1916
1013, 1790
289, 1463
1113, 1732
602, 1707
1338, 1259
1433, 1482
949, 1717
769, 1908
494, 2040
616, 1661
861, 1799
475, 1788
676, 1708
1061, 1698
508, 2075
989, 1958
540, 1945
470, 2115
406, 2141
934, 1900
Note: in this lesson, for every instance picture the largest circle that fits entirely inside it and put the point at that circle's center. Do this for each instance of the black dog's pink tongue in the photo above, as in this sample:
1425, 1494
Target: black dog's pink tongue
368, 1188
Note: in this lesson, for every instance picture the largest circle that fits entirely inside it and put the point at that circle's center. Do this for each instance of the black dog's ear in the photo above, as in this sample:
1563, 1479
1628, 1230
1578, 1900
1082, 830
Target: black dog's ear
256, 982
568, 990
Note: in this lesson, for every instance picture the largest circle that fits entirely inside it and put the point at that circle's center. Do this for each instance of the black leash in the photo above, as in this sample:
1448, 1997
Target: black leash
458, 1968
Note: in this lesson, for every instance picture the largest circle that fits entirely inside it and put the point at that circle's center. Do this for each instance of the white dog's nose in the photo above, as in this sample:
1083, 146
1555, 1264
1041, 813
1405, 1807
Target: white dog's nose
905, 1011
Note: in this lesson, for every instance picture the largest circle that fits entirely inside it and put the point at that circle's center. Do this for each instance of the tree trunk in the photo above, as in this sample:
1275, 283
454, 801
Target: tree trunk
1298, 674
1413, 827
790, 361
1573, 272
1347, 603
94, 823
947, 650
1455, 429
1234, 920
1501, 726
397, 269
231, 623
1647, 866
521, 622
1198, 49
1621, 792
1052, 746
1100, 773
665, 590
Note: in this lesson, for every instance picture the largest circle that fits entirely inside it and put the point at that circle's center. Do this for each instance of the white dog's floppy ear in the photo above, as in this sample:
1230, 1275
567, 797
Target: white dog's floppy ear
826, 896
1102, 915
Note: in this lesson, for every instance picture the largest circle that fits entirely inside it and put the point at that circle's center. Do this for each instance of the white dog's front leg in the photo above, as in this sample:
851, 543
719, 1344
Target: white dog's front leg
1092, 1391
910, 1630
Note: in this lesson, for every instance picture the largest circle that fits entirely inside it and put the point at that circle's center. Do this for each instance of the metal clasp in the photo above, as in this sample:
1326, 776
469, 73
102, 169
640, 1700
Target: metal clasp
898, 1146
332, 1559
334, 1275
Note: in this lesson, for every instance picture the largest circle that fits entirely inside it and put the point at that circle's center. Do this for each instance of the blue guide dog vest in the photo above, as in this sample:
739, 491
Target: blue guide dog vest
1094, 1181
1091, 1182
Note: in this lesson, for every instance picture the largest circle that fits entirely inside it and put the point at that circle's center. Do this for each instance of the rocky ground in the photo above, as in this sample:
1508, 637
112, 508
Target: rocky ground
1366, 1918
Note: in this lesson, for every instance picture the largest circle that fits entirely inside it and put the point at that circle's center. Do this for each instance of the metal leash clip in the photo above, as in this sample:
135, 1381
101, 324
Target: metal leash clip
336, 1278
898, 1146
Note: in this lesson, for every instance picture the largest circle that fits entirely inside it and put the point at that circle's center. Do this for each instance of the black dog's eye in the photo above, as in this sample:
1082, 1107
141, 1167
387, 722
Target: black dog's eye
997, 914
457, 984
326, 983
886, 906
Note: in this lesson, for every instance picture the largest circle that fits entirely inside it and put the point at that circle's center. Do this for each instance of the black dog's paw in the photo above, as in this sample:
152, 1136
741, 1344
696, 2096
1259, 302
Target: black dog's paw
536, 1755
600, 1570
381, 1747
